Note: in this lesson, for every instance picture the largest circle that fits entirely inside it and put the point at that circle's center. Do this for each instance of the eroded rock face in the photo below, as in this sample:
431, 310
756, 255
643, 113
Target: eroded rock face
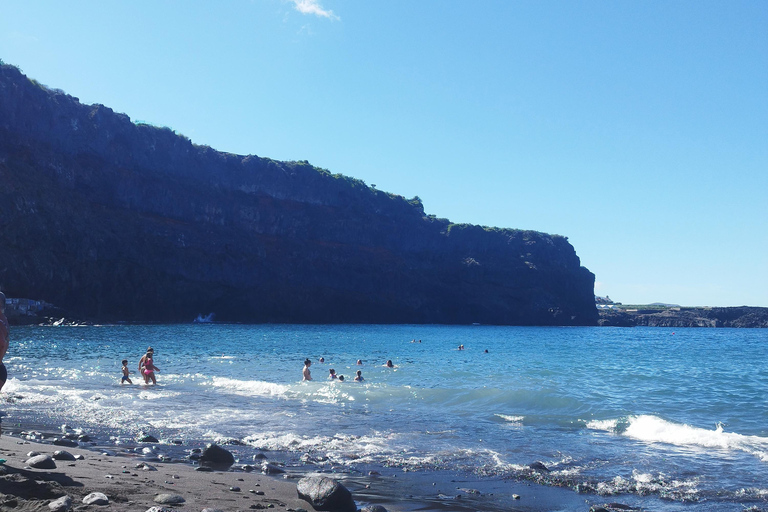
117, 221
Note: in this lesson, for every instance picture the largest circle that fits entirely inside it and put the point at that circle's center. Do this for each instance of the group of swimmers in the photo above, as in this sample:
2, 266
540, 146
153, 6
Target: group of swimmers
307, 375
147, 368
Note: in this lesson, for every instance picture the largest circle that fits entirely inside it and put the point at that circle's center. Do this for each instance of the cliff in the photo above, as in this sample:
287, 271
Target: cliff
114, 220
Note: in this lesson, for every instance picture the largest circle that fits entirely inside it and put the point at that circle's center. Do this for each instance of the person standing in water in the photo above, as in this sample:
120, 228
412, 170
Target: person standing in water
150, 352
150, 369
306, 374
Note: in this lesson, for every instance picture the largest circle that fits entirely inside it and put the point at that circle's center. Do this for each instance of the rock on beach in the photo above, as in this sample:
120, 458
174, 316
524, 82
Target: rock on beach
215, 454
60, 505
41, 462
96, 498
325, 494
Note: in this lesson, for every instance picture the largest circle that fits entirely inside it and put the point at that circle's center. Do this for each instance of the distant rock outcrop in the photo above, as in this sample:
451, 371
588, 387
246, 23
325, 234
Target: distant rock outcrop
686, 317
114, 220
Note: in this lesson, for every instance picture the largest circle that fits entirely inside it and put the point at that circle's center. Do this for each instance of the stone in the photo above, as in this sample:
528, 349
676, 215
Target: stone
96, 498
539, 466
325, 494
161, 509
41, 462
60, 505
373, 508
146, 438
215, 454
65, 442
271, 469
33, 454
169, 499
62, 455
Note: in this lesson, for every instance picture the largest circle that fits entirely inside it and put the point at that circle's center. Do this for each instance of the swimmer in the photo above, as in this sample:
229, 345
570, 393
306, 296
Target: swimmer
321, 360
332, 374
126, 372
359, 377
305, 372
389, 364
341, 378
359, 362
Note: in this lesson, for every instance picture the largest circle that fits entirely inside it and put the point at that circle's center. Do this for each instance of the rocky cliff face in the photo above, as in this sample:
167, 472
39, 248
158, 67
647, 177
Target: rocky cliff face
118, 221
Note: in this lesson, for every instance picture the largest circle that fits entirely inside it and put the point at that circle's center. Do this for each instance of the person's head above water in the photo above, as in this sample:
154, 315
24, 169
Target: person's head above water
389, 363
307, 362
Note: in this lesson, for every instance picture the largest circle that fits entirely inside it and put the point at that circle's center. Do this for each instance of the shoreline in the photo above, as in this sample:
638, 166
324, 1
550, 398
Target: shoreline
120, 474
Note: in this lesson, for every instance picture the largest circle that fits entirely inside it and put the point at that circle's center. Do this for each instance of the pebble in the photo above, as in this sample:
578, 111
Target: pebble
234, 488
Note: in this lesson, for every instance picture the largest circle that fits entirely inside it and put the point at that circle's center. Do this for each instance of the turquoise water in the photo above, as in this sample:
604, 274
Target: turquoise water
674, 416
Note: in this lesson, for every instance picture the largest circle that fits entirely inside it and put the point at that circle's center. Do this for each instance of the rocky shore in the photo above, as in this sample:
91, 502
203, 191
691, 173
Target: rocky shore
61, 474
742, 317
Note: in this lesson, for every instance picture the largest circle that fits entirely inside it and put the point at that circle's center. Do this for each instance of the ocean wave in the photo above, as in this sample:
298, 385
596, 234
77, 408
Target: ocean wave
652, 429
250, 387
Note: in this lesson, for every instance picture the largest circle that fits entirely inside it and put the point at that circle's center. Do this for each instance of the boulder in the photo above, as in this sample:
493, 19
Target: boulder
325, 494
215, 454
539, 466
96, 498
146, 438
41, 462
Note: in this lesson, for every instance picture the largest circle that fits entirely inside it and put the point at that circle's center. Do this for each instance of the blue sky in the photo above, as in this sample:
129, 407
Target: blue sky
639, 130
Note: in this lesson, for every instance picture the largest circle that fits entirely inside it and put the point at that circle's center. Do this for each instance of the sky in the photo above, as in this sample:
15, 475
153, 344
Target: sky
639, 130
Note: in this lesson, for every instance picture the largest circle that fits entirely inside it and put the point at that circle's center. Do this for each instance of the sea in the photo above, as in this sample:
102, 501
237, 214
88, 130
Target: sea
655, 418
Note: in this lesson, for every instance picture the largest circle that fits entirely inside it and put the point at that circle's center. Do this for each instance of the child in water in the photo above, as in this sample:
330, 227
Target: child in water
150, 368
125, 373
332, 374
359, 377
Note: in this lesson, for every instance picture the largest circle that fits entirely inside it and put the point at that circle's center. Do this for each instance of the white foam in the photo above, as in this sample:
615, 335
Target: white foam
652, 429
511, 419
250, 387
